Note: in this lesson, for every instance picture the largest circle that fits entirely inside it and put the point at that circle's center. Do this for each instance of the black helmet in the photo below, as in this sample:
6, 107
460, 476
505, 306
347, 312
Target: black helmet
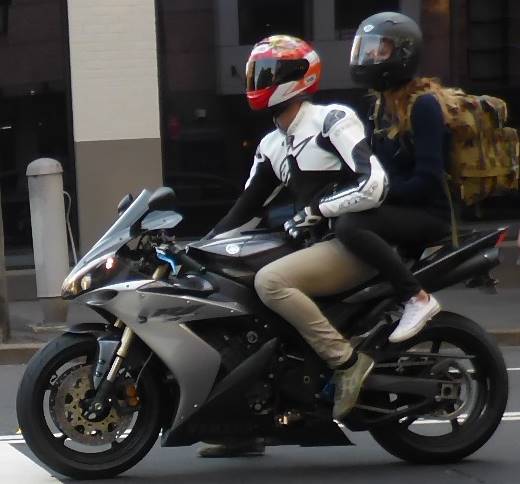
386, 51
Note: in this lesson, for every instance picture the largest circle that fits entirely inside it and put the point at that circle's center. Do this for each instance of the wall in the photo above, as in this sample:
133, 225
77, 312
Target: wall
113, 57
33, 110
32, 49
435, 21
335, 74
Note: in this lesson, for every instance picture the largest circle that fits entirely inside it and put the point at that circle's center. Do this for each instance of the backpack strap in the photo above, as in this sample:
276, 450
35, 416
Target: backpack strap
393, 133
454, 226
376, 114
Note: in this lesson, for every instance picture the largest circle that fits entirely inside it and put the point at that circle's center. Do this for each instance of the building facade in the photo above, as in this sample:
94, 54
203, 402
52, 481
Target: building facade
136, 93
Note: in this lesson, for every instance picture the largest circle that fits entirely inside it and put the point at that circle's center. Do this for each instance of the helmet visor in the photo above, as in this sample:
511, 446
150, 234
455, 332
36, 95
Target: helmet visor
371, 49
263, 73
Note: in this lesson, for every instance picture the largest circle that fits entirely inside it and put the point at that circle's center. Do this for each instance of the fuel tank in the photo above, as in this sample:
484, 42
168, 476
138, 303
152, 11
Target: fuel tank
240, 258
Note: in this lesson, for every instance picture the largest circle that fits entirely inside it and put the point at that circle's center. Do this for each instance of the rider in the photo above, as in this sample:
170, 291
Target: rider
320, 154
409, 136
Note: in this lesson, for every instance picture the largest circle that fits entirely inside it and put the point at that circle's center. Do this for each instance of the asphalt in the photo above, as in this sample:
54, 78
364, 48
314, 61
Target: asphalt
29, 333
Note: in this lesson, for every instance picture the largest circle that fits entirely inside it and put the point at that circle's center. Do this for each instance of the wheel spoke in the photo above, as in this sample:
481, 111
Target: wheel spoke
115, 444
455, 425
61, 439
475, 376
436, 346
410, 420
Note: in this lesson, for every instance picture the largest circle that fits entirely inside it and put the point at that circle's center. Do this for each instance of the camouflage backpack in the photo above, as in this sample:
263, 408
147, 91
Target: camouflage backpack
484, 153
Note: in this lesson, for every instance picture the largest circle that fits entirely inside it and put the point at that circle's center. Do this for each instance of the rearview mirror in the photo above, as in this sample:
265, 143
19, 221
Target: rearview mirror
162, 199
125, 202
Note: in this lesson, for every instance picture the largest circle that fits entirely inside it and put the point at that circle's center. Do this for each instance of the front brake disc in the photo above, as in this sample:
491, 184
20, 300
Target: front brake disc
65, 403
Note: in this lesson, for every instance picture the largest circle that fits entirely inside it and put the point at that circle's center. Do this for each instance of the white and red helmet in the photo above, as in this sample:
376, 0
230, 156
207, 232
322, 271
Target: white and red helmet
279, 68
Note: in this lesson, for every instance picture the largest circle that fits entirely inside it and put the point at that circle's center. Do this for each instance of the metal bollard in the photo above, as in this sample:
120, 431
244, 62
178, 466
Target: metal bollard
51, 256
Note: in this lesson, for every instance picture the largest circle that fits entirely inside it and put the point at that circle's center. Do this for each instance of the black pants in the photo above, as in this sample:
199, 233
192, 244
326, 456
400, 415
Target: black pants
370, 234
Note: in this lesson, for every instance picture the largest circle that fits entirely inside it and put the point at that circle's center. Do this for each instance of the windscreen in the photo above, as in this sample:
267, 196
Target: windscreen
119, 233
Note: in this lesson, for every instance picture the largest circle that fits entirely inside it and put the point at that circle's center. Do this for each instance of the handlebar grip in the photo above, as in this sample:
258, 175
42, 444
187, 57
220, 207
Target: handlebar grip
188, 263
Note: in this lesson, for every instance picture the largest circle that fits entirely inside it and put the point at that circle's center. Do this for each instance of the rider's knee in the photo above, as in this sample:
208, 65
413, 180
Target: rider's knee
267, 283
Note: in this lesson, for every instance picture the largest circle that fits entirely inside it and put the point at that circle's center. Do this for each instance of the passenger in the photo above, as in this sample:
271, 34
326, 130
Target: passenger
408, 134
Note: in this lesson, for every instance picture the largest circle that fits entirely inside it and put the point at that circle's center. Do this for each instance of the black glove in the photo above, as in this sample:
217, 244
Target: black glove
298, 226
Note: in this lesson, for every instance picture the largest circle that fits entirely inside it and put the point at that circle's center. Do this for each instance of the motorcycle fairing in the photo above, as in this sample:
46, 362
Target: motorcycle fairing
159, 320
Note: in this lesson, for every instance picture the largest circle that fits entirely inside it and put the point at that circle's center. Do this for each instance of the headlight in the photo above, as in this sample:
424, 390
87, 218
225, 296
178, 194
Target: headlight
83, 279
86, 282
109, 263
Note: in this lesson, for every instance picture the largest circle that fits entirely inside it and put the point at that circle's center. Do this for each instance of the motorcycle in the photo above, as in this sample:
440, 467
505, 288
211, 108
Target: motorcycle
189, 352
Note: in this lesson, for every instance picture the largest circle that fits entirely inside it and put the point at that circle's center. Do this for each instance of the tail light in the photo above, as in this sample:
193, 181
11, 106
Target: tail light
502, 237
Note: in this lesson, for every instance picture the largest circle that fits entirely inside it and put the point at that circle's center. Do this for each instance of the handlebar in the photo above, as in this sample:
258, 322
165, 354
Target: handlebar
189, 263
173, 255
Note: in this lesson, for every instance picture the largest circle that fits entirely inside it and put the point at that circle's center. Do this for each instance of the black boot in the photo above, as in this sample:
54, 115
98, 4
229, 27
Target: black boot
242, 448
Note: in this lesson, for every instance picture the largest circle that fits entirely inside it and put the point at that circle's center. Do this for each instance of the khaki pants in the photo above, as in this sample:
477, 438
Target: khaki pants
287, 284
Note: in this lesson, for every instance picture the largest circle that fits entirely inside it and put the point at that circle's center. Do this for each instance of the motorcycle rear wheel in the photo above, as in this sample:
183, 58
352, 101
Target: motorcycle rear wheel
57, 447
469, 431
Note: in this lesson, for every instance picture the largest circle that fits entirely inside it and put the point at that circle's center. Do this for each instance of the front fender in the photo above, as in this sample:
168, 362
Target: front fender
95, 329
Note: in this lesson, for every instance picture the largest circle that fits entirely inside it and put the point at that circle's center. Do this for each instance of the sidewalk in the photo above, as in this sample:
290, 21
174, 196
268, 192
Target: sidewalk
27, 336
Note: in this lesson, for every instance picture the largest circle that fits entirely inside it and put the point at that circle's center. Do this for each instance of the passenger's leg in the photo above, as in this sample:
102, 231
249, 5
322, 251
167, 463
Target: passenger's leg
368, 235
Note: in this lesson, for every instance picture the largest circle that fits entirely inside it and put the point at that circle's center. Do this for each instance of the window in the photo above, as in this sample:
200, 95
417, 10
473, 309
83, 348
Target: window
261, 18
34, 112
350, 14
4, 15
488, 29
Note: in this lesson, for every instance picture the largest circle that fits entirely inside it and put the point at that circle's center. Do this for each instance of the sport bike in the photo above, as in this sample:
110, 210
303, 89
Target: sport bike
189, 352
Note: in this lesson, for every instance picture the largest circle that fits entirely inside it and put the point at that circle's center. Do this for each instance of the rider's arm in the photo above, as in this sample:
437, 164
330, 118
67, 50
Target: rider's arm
428, 132
260, 186
345, 134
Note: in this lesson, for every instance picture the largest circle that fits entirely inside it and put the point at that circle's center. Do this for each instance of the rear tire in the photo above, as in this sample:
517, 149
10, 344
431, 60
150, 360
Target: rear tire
399, 441
52, 450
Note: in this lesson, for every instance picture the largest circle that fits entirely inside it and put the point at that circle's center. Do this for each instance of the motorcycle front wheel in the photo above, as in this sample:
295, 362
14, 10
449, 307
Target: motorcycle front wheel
56, 382
466, 418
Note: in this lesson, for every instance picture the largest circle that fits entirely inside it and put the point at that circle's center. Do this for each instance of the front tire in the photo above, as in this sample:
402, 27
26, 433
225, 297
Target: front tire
490, 373
53, 446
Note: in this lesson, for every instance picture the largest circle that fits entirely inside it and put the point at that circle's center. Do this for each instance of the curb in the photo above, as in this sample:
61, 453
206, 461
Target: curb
20, 353
506, 337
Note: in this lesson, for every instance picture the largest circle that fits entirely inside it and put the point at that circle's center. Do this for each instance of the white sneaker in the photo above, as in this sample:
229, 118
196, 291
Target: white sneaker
415, 316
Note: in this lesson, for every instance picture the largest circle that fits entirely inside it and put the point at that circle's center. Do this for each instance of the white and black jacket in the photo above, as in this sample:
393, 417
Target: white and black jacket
323, 159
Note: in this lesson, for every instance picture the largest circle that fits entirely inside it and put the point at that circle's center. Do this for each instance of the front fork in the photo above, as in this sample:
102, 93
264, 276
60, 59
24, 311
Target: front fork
99, 406
122, 352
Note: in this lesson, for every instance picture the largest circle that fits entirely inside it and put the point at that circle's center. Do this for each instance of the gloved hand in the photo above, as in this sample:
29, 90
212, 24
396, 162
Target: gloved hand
298, 226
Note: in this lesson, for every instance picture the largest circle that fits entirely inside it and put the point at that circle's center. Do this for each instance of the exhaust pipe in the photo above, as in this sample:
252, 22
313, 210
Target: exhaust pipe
479, 264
